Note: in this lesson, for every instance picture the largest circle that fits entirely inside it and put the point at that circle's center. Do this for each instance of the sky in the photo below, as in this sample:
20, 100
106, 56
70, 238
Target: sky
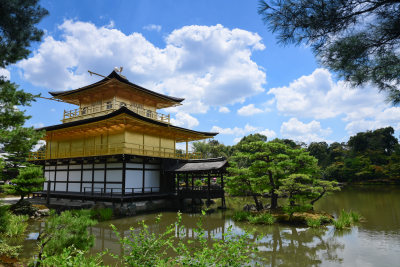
218, 55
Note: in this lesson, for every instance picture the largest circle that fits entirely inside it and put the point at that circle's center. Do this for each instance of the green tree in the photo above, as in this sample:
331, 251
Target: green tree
357, 39
17, 28
259, 167
64, 231
30, 179
212, 149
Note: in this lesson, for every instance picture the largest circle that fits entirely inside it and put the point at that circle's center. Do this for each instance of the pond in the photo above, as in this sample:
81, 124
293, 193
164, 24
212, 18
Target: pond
374, 242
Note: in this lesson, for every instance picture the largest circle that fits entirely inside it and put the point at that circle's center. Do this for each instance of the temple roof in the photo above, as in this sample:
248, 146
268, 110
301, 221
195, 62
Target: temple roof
199, 165
125, 110
115, 75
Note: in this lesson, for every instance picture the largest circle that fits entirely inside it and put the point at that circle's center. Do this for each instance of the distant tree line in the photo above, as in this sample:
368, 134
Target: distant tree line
365, 156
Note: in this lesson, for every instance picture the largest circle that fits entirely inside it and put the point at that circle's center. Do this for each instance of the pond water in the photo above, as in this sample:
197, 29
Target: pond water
374, 242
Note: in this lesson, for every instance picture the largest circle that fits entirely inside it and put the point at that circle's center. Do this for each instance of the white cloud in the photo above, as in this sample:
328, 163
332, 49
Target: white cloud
317, 96
249, 110
224, 110
39, 145
183, 119
53, 110
5, 73
268, 133
304, 132
247, 129
38, 125
206, 65
152, 27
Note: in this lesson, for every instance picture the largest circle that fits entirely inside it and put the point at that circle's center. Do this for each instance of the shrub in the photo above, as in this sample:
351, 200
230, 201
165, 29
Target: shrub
72, 256
263, 218
16, 225
64, 230
292, 209
314, 223
240, 216
9, 251
102, 214
346, 219
142, 248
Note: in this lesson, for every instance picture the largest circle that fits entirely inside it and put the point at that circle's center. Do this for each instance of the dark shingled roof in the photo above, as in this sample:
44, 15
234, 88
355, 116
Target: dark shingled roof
117, 112
121, 79
199, 165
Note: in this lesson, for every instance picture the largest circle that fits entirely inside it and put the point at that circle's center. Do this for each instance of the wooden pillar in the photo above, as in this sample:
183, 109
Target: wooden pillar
192, 182
92, 177
186, 181
55, 177
176, 178
187, 148
123, 175
80, 190
144, 175
68, 175
208, 188
105, 175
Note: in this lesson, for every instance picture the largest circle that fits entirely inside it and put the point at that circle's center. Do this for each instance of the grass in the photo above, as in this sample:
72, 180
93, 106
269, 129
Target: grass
313, 223
263, 218
16, 225
241, 216
346, 219
103, 214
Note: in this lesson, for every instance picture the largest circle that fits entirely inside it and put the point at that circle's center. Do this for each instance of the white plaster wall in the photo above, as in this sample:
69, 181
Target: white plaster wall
114, 175
61, 186
75, 187
75, 176
152, 179
99, 176
87, 176
88, 189
62, 176
134, 179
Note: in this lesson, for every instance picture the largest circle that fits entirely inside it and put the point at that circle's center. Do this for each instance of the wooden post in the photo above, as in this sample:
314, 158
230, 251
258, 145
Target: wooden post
123, 175
187, 148
186, 181
105, 176
48, 192
68, 176
208, 188
143, 175
55, 177
92, 176
80, 190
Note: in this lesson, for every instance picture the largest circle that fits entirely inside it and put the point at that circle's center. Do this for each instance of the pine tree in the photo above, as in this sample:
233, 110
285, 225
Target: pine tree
29, 180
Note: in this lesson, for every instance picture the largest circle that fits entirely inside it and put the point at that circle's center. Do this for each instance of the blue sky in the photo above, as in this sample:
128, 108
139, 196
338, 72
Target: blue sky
218, 55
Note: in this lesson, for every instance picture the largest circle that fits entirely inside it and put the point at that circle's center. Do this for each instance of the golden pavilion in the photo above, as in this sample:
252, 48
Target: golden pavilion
116, 146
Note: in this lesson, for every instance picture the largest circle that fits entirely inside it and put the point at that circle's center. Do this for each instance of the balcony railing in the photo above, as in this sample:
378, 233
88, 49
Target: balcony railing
113, 149
108, 107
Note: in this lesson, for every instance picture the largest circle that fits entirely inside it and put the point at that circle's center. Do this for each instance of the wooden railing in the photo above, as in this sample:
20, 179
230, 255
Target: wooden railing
113, 149
108, 107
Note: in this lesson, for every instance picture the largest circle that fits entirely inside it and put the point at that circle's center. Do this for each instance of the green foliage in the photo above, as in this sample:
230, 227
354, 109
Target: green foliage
346, 219
30, 179
360, 50
313, 223
288, 209
72, 256
17, 29
64, 230
13, 228
142, 248
16, 226
198, 182
9, 251
212, 149
103, 214
257, 167
263, 218
241, 216
15, 139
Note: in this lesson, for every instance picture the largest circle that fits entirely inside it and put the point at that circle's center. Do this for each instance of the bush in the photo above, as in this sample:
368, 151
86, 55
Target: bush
64, 230
241, 216
346, 219
314, 223
16, 225
263, 218
292, 209
102, 214
142, 248
72, 256
9, 251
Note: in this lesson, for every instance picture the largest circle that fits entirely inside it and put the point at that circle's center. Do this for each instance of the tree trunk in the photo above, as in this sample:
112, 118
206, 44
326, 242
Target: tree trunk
258, 204
274, 196
317, 198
